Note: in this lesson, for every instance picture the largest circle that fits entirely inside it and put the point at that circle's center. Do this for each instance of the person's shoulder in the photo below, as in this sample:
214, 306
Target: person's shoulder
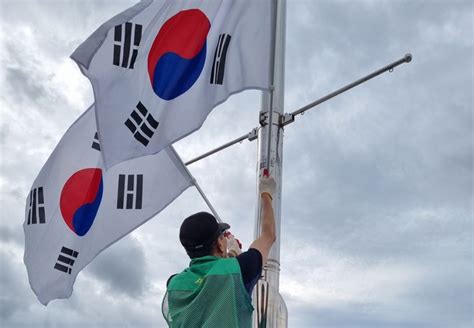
169, 279
250, 265
251, 257
251, 252
255, 251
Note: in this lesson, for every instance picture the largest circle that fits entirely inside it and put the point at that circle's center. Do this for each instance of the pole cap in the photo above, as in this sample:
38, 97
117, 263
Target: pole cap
408, 58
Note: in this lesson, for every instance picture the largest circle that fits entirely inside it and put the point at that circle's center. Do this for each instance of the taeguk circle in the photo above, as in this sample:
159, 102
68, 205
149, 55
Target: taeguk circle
178, 53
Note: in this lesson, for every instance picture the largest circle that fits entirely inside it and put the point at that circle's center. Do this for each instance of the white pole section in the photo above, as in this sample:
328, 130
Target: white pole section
270, 307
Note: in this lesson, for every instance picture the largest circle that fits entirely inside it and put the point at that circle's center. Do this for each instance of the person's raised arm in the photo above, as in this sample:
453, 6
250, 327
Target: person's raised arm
268, 234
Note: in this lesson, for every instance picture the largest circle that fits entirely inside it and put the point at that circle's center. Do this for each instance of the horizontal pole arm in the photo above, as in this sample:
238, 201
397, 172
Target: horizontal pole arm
252, 135
290, 117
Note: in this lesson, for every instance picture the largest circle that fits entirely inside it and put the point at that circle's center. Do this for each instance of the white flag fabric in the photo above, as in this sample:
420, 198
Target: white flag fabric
76, 208
160, 67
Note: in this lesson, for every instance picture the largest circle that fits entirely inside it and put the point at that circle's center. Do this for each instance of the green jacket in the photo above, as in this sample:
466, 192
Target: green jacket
210, 293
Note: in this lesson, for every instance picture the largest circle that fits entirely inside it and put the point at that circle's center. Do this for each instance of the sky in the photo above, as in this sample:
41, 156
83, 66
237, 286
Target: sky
377, 202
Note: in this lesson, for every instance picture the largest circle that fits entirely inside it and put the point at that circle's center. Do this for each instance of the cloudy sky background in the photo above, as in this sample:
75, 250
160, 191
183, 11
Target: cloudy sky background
377, 184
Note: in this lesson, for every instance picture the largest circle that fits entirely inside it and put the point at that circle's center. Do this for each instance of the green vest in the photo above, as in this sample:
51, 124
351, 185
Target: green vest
210, 293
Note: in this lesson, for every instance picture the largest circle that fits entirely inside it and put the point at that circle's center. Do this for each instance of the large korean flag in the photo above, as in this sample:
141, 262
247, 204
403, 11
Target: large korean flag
76, 208
160, 67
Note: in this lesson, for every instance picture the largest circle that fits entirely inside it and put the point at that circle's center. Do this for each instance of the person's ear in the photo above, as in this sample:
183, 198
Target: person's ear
221, 245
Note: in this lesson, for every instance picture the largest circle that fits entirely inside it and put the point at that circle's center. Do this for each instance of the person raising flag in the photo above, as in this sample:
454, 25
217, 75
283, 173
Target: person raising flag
215, 288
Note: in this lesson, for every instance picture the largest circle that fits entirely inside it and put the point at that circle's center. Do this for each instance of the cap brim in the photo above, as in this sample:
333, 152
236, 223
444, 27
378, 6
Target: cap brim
223, 226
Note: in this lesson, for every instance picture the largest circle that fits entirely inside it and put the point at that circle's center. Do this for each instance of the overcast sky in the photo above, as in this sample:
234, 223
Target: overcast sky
377, 203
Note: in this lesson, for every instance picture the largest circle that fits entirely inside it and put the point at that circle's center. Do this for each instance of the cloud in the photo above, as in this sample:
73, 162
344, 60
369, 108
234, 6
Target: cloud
11, 235
377, 183
15, 297
122, 269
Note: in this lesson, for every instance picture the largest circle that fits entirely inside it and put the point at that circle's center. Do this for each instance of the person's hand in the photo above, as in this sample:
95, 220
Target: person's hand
267, 184
234, 247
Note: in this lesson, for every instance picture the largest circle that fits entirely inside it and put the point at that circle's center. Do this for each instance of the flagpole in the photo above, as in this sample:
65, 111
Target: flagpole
195, 183
270, 308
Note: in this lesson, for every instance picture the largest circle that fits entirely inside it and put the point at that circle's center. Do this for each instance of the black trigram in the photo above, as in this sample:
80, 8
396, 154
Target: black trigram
218, 65
66, 260
95, 142
127, 38
36, 206
141, 124
130, 191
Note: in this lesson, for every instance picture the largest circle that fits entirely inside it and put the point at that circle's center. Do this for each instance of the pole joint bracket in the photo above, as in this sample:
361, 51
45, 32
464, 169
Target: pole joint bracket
252, 135
286, 119
263, 118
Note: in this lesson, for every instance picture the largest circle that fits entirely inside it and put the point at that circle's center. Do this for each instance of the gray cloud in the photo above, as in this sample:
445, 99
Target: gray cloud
15, 297
11, 234
122, 268
23, 86
377, 183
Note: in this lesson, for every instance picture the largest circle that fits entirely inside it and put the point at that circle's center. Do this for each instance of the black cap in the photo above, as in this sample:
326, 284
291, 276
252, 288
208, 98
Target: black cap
200, 230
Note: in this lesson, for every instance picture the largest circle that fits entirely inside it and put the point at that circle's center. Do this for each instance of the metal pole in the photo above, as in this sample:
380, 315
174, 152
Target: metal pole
218, 218
290, 117
270, 307
406, 59
252, 135
269, 97
193, 180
